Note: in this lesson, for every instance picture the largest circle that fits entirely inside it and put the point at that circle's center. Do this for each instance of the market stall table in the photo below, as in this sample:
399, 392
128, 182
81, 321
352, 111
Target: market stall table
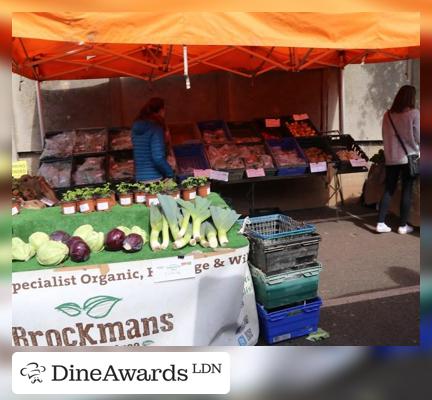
192, 296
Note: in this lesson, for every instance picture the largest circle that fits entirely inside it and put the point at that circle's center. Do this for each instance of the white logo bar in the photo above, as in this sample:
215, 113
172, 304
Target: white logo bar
120, 373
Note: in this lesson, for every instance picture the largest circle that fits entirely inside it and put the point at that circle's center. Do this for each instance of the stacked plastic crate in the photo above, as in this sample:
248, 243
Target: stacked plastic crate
285, 271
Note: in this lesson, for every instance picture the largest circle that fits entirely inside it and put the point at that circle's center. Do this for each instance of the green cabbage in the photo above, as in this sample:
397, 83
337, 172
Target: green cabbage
141, 232
83, 230
52, 253
124, 229
37, 239
95, 240
22, 251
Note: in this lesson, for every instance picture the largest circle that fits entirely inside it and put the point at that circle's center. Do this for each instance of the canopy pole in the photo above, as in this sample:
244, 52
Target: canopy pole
341, 99
40, 112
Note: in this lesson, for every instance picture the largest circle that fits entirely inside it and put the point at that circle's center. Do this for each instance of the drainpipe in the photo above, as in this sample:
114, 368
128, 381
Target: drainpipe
40, 112
341, 99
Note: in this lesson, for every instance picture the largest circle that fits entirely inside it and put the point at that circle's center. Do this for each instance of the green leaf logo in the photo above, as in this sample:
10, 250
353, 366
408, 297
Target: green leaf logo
100, 306
71, 309
147, 342
94, 307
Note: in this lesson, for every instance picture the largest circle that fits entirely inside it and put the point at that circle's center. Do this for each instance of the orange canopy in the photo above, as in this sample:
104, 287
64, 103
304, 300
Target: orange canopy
149, 46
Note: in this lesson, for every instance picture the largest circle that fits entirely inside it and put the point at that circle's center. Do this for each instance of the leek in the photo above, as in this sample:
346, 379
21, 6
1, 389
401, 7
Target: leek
199, 212
184, 241
203, 241
170, 210
223, 219
156, 223
211, 236
184, 223
165, 234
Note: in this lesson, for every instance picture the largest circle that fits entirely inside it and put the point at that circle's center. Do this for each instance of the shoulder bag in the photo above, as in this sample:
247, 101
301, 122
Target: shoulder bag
413, 159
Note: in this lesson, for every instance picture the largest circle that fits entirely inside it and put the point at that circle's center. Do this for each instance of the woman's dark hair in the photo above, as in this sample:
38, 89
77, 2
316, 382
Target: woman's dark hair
405, 99
151, 110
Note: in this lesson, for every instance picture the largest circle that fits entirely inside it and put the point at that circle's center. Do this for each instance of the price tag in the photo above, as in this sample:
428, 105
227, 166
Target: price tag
15, 210
102, 206
318, 167
19, 168
272, 123
47, 202
255, 173
192, 195
84, 207
140, 198
358, 163
154, 201
178, 269
300, 117
219, 175
69, 210
125, 201
202, 173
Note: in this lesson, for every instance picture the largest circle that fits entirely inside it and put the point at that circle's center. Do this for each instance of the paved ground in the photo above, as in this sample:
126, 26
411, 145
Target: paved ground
369, 283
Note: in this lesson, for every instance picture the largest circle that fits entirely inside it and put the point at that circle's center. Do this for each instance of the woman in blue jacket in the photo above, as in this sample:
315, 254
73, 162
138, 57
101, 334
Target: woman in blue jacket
148, 143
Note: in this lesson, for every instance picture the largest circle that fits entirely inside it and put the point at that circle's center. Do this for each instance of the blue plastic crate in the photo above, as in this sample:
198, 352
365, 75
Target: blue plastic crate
288, 144
188, 157
275, 226
215, 125
289, 322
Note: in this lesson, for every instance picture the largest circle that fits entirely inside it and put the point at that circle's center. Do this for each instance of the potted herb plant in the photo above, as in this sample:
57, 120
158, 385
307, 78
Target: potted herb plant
152, 190
170, 187
188, 188
139, 193
203, 186
103, 197
86, 202
69, 202
125, 193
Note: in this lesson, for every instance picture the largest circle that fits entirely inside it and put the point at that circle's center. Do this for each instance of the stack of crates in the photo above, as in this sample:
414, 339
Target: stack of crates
285, 272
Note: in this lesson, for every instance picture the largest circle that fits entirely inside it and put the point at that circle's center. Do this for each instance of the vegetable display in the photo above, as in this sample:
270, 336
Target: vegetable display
51, 253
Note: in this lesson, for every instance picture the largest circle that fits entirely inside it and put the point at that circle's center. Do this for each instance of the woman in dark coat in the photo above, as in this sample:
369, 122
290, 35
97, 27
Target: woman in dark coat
148, 143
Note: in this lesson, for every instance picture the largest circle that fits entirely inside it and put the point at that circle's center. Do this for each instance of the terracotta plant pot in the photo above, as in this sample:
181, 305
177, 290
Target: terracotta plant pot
68, 207
126, 199
151, 200
113, 200
204, 191
175, 194
189, 194
103, 204
86, 206
140, 197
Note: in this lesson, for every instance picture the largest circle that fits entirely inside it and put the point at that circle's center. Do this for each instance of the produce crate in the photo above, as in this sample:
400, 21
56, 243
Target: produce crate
214, 125
288, 144
114, 134
286, 287
58, 146
234, 174
271, 126
99, 141
244, 132
268, 171
306, 121
189, 157
346, 142
319, 142
289, 322
182, 133
57, 173
292, 252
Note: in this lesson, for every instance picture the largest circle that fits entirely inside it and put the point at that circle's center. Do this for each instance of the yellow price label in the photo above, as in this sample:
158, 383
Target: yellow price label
19, 168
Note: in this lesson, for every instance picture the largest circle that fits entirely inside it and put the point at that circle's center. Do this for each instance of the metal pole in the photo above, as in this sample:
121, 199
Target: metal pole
40, 112
341, 100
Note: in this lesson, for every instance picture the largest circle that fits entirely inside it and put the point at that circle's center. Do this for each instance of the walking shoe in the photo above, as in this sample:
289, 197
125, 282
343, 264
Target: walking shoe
403, 230
382, 228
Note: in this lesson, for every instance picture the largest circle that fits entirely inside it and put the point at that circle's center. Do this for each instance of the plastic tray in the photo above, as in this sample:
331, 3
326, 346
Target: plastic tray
320, 142
307, 121
275, 226
241, 131
289, 322
346, 142
287, 287
268, 171
273, 256
115, 132
86, 133
189, 157
234, 174
288, 144
212, 126
263, 126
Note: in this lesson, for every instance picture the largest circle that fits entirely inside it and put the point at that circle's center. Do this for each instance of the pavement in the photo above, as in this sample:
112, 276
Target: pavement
369, 283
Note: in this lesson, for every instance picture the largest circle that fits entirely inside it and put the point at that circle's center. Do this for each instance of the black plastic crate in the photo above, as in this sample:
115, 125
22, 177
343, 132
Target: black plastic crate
346, 143
244, 132
289, 253
213, 126
120, 139
321, 143
271, 127
189, 157
85, 137
307, 121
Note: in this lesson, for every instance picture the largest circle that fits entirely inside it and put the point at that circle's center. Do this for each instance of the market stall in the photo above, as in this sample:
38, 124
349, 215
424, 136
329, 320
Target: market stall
194, 294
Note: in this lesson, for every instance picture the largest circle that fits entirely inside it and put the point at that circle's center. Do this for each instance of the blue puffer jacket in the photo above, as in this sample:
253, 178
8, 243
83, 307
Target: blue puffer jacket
149, 152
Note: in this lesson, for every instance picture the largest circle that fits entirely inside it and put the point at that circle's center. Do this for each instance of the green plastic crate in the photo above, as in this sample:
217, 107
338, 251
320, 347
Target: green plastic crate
287, 287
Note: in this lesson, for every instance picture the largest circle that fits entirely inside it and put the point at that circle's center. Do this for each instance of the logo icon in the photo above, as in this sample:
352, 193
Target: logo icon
94, 307
33, 371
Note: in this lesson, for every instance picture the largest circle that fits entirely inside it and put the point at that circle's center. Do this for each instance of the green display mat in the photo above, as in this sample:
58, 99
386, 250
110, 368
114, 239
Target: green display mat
49, 220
